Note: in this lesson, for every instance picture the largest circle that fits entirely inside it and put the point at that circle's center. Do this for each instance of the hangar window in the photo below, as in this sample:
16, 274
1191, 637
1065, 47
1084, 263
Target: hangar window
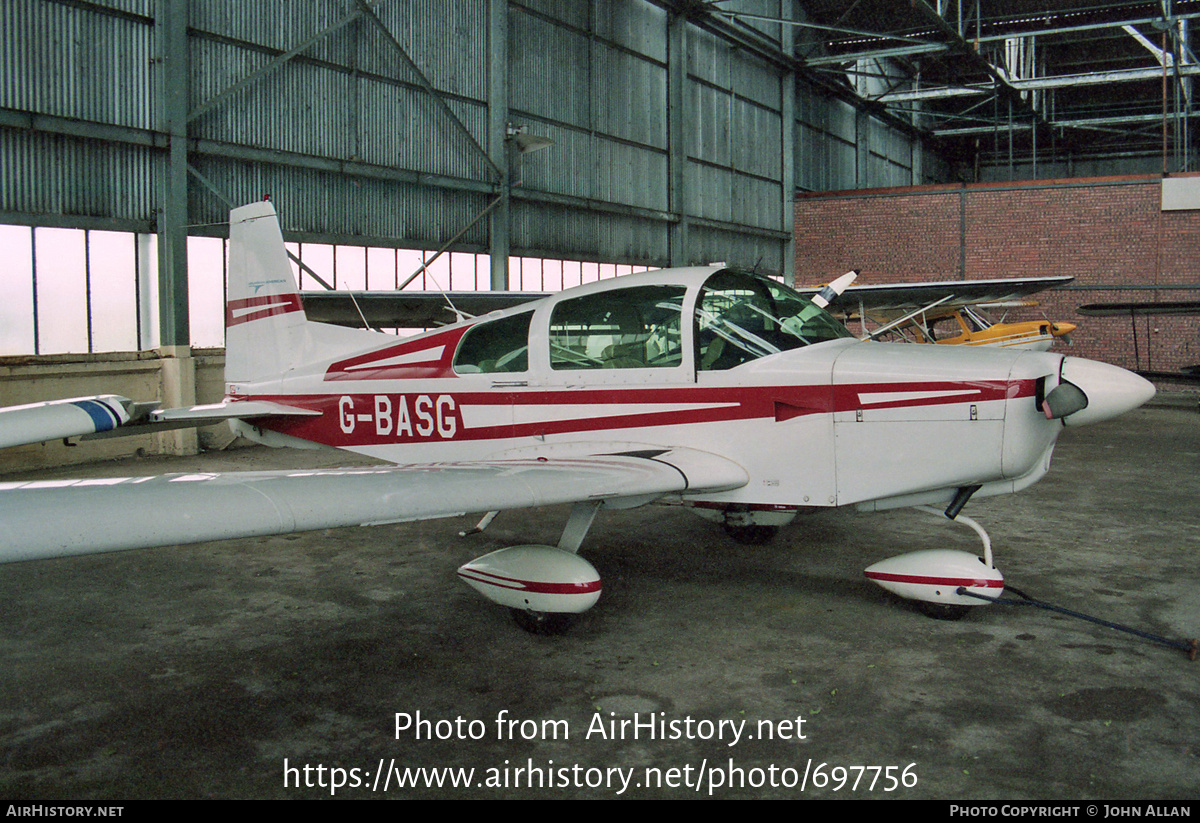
67, 290
495, 346
741, 317
634, 328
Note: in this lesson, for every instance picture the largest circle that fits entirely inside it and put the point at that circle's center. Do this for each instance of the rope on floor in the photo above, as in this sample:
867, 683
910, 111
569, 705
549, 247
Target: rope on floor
1189, 647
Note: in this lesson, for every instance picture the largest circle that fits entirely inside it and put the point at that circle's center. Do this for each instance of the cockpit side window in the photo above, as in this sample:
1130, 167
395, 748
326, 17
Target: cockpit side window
495, 346
741, 317
634, 328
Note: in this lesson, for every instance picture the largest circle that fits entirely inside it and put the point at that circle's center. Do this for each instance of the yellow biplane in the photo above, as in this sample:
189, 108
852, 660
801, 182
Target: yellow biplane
954, 312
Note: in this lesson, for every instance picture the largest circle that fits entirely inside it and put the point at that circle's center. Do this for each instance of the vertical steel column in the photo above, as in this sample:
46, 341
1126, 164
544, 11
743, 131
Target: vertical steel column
172, 214
87, 288
677, 124
497, 143
178, 368
1186, 82
787, 141
147, 291
33, 278
862, 150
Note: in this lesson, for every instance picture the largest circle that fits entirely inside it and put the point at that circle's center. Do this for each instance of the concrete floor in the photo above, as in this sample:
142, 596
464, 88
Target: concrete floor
201, 671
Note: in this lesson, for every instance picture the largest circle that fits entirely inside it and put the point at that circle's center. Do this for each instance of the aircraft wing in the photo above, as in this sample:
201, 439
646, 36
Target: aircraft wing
884, 302
415, 309
110, 415
54, 419
58, 518
406, 309
1180, 307
1177, 308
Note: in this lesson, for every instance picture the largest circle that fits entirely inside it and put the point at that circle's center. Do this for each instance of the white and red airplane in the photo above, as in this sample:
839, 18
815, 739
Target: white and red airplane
713, 386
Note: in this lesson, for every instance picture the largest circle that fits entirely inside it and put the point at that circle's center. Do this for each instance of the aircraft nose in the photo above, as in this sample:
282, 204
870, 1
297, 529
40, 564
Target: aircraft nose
1089, 392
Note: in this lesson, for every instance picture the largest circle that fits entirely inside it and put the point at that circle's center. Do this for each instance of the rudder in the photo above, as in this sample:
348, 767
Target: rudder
263, 312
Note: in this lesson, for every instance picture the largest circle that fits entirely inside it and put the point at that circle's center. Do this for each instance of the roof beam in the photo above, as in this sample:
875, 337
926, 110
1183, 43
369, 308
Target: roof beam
1039, 83
1086, 123
876, 54
1112, 24
957, 44
1164, 58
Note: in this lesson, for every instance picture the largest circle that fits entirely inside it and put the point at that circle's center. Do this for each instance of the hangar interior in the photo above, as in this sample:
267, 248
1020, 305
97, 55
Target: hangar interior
534, 144
528, 144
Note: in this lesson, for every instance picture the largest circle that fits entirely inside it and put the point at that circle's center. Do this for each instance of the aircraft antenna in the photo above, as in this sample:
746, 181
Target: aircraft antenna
358, 308
443, 250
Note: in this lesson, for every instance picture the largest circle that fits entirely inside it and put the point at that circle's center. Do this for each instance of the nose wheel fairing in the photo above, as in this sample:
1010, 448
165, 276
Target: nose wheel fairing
946, 581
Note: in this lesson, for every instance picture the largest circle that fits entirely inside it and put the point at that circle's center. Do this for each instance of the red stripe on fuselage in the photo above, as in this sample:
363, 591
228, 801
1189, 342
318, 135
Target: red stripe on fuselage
436, 414
257, 308
846, 397
429, 356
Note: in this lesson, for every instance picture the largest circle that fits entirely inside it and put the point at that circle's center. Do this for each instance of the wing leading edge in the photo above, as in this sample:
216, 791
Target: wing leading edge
115, 514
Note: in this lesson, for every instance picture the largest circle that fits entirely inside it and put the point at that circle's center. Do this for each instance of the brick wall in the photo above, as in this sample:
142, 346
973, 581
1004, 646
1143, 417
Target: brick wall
1110, 234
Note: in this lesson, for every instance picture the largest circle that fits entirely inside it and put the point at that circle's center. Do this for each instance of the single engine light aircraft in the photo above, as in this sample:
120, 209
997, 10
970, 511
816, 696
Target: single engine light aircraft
714, 386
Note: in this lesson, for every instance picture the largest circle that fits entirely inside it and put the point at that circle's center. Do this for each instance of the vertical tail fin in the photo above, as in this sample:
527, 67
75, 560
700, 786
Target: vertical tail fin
263, 312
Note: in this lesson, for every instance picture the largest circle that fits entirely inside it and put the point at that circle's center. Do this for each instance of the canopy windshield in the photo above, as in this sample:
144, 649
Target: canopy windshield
742, 316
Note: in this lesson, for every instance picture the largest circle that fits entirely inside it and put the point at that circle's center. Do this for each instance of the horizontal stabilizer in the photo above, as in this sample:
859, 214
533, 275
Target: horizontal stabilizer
229, 410
188, 417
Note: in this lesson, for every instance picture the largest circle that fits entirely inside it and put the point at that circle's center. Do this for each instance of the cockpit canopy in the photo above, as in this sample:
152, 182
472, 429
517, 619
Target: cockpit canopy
736, 317
741, 317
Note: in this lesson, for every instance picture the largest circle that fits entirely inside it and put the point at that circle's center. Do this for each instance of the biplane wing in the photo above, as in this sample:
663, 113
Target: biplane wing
418, 309
898, 298
913, 310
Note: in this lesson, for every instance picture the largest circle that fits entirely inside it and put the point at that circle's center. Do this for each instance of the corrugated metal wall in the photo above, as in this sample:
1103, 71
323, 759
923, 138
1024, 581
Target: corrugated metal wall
837, 148
80, 67
351, 98
353, 148
592, 76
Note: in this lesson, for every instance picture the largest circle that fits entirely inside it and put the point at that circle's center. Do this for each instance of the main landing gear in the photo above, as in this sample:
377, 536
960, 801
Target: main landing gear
939, 580
940, 611
543, 623
544, 587
748, 525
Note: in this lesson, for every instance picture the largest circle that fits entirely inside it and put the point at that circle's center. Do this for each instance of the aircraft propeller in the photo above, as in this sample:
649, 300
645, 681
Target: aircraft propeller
1088, 392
